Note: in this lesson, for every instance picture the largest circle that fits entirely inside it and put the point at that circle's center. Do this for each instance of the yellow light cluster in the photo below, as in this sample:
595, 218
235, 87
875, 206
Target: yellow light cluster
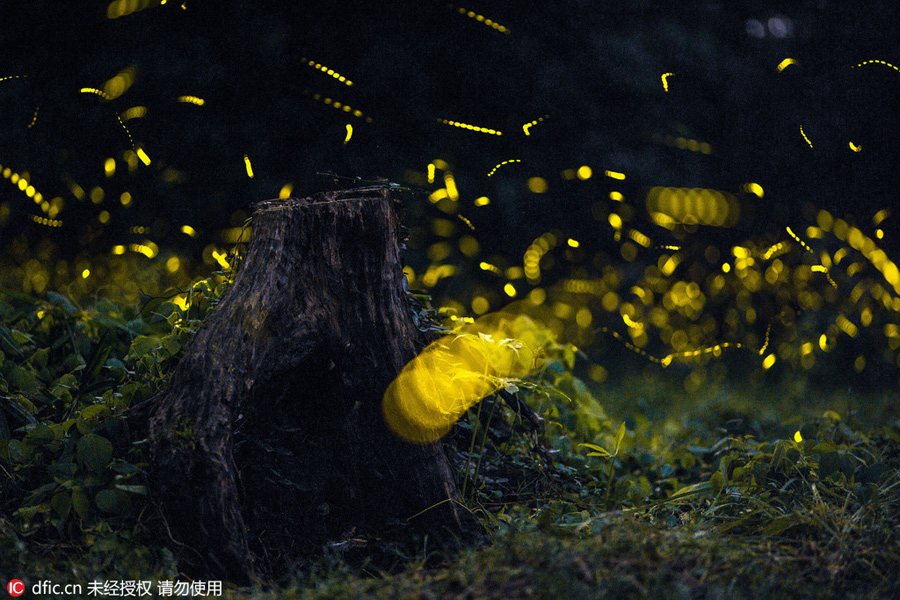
682, 143
483, 19
435, 273
866, 246
692, 206
470, 127
327, 71
532, 257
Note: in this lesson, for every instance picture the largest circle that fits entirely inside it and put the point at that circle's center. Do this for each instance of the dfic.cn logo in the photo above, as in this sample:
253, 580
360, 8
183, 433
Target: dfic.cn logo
15, 587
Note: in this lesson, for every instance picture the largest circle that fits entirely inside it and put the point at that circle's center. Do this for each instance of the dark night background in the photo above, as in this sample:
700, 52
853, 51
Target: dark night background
593, 69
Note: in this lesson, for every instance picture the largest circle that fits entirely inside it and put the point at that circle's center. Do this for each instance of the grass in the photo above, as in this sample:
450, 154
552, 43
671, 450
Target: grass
789, 532
637, 488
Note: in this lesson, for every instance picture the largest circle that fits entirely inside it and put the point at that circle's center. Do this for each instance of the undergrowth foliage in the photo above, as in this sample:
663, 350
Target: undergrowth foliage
73, 472
539, 457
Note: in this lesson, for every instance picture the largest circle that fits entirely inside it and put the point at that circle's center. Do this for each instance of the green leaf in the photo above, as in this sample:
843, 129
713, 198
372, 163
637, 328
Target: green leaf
620, 435
142, 346
21, 338
171, 345
113, 501
81, 503
62, 302
62, 504
696, 489
18, 451
94, 411
133, 489
597, 450
23, 379
94, 452
781, 524
40, 435
39, 358
716, 482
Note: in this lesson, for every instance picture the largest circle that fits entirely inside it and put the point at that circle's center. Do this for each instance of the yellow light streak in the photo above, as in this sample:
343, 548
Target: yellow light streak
135, 112
785, 64
191, 100
482, 19
877, 62
755, 189
475, 128
248, 166
466, 221
505, 162
330, 72
527, 126
90, 90
804, 137
665, 81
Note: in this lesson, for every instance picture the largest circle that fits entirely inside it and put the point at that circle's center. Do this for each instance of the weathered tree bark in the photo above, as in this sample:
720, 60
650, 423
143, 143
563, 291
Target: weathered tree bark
269, 438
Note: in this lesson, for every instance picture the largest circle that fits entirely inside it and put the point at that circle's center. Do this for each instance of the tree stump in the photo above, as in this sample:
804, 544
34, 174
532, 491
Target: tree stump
269, 437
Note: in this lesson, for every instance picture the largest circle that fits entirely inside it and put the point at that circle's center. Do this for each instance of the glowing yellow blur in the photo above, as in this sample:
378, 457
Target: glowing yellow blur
192, 100
668, 206
119, 84
454, 373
